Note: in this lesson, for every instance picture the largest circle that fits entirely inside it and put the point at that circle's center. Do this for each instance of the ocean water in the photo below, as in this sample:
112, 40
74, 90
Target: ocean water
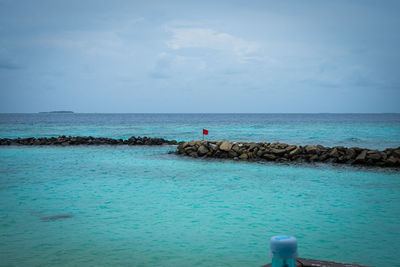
139, 206
363, 130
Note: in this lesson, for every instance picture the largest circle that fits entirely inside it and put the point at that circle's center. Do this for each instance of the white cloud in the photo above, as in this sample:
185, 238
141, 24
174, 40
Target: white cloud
208, 38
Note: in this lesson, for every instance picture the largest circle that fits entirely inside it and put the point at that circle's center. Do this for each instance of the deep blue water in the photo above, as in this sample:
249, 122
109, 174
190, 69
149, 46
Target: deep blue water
140, 206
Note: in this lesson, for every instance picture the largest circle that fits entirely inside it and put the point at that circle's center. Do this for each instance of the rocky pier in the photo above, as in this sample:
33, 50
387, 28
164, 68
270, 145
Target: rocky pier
280, 152
84, 140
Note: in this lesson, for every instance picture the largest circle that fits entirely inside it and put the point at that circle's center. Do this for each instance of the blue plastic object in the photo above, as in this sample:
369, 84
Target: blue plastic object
283, 251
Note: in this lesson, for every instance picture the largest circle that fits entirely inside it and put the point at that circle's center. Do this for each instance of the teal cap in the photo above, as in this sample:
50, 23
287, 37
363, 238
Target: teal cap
283, 246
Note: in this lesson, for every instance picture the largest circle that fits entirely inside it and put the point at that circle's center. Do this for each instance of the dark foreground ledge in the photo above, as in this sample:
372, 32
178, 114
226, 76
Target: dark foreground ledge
279, 152
85, 140
300, 262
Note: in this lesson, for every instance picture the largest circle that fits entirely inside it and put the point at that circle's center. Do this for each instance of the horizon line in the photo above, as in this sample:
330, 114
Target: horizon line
54, 113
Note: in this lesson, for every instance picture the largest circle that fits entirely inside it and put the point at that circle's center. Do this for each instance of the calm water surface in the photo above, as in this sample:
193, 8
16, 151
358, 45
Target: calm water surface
363, 130
140, 206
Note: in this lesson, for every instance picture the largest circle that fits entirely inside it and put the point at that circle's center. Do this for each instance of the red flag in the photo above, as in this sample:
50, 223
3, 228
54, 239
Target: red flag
205, 132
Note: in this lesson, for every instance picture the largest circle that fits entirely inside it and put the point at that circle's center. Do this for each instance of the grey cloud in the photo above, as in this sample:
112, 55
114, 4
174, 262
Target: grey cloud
102, 50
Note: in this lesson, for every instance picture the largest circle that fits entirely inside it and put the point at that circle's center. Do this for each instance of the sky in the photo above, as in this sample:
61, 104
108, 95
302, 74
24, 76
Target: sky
200, 56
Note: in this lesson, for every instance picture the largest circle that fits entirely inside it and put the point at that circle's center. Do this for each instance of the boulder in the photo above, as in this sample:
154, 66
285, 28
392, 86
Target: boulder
225, 146
223, 155
244, 156
189, 149
277, 151
252, 155
350, 153
396, 152
212, 146
290, 148
252, 146
362, 156
281, 145
341, 148
269, 156
295, 151
334, 153
341, 159
324, 156
374, 155
311, 149
232, 154
202, 150
192, 143
236, 148
392, 161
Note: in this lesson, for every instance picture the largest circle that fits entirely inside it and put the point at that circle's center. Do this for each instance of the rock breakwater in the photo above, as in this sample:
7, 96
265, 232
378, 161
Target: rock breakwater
85, 140
280, 152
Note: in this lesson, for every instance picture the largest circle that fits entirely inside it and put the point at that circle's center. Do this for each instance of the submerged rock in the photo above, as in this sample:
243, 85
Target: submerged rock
56, 217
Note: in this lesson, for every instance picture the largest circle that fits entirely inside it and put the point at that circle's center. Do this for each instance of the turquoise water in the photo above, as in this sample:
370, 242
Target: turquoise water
378, 131
140, 206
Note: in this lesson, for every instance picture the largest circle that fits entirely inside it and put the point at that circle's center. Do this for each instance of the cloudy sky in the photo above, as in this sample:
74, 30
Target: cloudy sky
200, 56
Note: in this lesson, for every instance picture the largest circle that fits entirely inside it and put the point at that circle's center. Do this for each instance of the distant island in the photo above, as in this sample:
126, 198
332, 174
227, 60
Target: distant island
57, 111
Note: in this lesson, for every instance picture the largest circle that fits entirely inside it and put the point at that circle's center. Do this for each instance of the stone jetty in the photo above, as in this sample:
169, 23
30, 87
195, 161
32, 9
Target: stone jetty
280, 152
85, 140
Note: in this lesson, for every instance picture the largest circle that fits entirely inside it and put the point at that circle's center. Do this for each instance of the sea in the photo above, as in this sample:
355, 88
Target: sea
140, 206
